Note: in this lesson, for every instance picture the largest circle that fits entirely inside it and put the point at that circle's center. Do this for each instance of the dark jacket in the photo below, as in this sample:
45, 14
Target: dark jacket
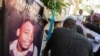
92, 27
65, 42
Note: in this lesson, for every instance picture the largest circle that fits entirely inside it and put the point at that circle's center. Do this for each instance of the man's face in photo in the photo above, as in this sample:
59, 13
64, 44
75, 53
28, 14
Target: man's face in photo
25, 35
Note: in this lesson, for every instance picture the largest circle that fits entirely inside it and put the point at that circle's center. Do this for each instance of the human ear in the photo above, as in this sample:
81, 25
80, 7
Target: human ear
18, 32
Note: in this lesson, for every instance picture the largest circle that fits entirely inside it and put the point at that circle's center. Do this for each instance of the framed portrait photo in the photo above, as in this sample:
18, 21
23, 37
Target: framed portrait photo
25, 26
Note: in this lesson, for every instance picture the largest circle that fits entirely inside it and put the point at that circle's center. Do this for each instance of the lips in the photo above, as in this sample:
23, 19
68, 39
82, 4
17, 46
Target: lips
26, 43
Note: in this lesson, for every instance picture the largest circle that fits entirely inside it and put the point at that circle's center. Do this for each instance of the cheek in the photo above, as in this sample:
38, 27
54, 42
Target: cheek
32, 38
23, 36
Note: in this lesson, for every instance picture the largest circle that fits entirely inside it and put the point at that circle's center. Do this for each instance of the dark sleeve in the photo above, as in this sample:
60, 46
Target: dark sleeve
47, 47
50, 43
91, 50
92, 27
91, 53
84, 51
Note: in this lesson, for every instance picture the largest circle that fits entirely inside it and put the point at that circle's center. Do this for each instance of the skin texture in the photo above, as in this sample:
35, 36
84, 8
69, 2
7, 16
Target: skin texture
25, 36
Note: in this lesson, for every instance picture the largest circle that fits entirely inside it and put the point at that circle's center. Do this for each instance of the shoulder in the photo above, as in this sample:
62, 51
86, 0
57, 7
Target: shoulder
35, 51
60, 29
13, 44
80, 36
83, 40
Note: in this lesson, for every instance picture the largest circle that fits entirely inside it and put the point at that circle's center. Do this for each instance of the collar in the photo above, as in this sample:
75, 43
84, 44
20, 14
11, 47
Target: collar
14, 45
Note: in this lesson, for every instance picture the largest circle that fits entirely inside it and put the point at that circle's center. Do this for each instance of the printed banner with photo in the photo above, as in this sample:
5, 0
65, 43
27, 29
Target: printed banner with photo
25, 27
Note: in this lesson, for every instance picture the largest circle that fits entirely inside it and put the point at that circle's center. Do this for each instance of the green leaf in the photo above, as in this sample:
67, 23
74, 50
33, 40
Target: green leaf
59, 5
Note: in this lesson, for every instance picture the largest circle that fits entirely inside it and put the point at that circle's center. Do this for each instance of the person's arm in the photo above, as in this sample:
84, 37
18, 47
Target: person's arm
90, 36
91, 52
95, 36
92, 27
47, 47
49, 43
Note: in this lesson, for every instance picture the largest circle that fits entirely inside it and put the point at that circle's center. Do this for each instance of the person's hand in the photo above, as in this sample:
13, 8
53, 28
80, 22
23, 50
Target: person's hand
90, 36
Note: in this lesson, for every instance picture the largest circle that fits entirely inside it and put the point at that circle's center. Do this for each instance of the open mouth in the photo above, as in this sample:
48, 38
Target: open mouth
26, 43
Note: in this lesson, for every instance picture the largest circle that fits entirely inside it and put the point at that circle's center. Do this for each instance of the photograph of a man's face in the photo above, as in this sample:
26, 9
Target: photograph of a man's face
24, 45
24, 29
25, 36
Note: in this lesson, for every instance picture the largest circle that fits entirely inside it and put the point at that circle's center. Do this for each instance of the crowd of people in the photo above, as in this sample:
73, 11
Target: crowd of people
76, 38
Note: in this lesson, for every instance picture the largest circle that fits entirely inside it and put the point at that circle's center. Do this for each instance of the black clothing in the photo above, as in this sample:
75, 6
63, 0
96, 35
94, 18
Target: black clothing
66, 42
88, 18
93, 27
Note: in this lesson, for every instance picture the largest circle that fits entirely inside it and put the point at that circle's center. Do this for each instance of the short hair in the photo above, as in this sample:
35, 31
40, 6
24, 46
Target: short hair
32, 21
25, 20
79, 29
81, 10
68, 21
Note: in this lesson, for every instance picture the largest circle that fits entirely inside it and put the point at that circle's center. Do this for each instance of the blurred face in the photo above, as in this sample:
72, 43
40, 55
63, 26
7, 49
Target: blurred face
91, 13
81, 12
26, 36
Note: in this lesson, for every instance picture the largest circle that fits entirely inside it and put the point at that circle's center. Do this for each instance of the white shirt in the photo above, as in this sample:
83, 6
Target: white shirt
80, 17
13, 47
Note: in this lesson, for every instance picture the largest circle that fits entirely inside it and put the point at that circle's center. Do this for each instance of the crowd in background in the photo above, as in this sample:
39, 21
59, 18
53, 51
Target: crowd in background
77, 37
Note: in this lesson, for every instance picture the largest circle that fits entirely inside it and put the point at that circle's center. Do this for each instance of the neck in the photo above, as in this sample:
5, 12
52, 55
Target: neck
19, 48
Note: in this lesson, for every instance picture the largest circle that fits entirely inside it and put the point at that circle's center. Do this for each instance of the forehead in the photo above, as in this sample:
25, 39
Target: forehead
27, 25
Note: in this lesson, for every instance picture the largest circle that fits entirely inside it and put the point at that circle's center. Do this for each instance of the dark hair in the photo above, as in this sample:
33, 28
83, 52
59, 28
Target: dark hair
80, 10
31, 21
79, 29
68, 21
25, 20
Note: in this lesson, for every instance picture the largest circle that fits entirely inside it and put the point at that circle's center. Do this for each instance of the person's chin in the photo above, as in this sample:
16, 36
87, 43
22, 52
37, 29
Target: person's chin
25, 47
